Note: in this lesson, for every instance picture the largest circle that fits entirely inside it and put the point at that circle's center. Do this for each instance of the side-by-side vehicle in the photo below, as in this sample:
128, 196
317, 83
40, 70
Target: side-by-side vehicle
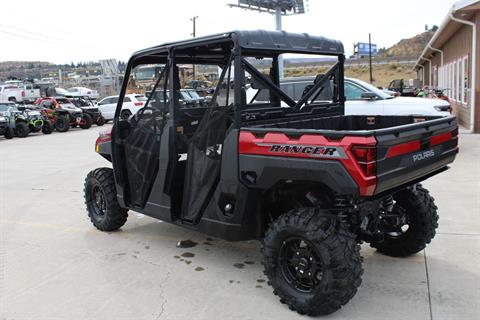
307, 180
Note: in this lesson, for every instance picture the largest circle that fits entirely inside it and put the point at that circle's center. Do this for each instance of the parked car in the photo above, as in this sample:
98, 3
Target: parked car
61, 92
187, 98
363, 99
17, 92
82, 92
131, 104
308, 181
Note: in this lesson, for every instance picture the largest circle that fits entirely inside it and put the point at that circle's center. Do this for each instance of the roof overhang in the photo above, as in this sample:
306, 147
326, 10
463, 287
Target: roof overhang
464, 10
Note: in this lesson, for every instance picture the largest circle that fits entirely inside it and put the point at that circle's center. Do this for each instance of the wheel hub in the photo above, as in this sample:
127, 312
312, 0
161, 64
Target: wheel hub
99, 201
301, 264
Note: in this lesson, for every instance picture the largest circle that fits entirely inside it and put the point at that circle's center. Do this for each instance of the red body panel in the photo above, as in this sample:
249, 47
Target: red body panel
251, 144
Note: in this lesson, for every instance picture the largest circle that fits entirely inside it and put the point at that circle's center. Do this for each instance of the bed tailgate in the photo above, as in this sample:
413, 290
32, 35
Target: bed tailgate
414, 152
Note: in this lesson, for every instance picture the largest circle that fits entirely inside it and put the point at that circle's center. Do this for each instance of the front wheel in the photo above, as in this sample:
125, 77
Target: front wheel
417, 229
101, 200
21, 129
9, 133
312, 261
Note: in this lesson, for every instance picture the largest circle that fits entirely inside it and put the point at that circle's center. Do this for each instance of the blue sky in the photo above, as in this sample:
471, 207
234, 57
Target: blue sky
65, 31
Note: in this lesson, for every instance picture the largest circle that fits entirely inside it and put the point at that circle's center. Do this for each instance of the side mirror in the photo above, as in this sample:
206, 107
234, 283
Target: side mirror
369, 96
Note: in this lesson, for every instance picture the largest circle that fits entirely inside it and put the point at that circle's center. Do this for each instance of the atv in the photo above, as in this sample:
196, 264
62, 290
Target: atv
64, 114
36, 120
7, 124
308, 181
88, 107
22, 121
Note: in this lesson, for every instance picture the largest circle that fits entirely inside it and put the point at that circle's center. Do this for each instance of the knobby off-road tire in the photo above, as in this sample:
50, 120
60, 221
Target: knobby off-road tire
9, 134
125, 114
422, 220
101, 200
87, 121
100, 121
62, 124
21, 129
47, 127
333, 254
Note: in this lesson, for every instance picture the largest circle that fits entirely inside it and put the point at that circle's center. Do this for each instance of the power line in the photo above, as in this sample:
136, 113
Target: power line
35, 33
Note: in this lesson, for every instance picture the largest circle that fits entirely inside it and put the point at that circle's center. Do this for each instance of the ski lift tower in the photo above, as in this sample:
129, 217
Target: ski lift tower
277, 7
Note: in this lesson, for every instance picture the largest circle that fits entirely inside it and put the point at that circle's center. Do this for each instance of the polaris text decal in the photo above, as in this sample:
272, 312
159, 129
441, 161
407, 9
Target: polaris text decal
313, 151
423, 155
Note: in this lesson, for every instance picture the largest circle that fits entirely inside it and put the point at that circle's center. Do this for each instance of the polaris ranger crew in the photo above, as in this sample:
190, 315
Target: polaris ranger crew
306, 180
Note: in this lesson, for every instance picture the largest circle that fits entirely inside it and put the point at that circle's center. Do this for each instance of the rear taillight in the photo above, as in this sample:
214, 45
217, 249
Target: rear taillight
366, 159
139, 104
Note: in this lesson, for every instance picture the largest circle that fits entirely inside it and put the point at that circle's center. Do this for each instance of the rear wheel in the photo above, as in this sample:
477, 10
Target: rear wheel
125, 114
86, 121
101, 200
47, 127
62, 124
417, 229
21, 129
312, 261
100, 121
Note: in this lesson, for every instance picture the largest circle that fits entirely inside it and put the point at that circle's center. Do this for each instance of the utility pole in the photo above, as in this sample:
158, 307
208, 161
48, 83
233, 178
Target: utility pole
278, 27
194, 34
370, 56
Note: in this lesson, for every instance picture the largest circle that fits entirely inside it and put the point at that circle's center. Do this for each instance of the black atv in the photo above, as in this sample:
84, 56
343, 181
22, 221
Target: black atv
88, 107
308, 181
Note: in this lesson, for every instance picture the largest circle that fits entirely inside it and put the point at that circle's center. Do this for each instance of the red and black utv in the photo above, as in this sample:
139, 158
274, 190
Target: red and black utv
300, 176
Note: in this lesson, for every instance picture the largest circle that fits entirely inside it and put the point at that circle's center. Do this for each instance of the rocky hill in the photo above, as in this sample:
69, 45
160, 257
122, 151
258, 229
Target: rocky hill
411, 47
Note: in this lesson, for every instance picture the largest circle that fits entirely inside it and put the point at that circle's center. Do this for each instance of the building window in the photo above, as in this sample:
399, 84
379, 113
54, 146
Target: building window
465, 84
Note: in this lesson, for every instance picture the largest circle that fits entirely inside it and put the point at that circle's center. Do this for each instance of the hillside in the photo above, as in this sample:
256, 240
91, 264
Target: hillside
411, 47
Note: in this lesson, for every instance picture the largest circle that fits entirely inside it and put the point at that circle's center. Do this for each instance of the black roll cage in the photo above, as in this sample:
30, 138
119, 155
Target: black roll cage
221, 51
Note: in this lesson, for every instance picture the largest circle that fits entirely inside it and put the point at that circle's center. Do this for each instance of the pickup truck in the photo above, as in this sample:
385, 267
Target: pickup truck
307, 180
364, 99
19, 93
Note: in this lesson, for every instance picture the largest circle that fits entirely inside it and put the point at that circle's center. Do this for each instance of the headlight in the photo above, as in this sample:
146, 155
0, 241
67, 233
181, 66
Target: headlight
446, 108
3, 119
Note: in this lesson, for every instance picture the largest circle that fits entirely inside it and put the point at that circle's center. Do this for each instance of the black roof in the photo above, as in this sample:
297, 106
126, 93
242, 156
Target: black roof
256, 41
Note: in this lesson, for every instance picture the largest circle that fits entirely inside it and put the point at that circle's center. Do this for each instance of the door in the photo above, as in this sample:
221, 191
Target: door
107, 107
136, 143
355, 105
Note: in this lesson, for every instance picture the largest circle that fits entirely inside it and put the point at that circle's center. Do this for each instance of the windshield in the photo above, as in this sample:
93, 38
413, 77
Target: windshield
4, 106
371, 88
194, 94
